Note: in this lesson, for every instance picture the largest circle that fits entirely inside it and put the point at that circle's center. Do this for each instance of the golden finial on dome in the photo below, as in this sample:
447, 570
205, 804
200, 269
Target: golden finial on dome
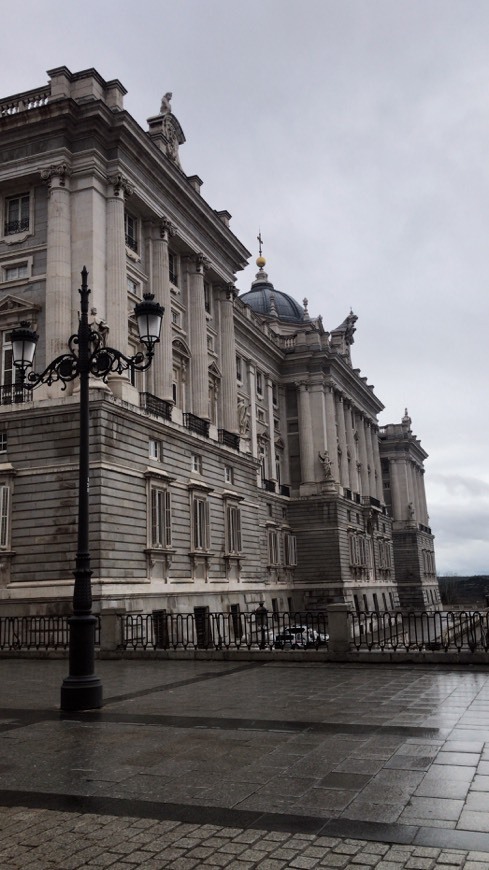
260, 260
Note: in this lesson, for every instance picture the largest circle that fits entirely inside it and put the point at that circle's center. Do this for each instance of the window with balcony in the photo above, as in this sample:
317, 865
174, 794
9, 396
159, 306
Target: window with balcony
17, 214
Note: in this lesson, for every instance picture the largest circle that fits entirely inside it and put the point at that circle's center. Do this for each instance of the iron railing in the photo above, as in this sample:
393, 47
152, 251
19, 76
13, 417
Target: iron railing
426, 631
37, 632
268, 485
196, 424
154, 405
14, 394
223, 631
228, 438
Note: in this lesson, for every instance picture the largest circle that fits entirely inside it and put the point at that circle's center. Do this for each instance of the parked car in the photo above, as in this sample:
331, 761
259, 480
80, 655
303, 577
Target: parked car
299, 637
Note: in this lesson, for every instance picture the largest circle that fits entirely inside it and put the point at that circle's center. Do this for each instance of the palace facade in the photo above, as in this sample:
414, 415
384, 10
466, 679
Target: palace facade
247, 464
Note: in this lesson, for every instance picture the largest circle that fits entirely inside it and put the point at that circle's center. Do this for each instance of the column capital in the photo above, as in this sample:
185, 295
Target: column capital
60, 171
199, 261
121, 186
166, 229
227, 292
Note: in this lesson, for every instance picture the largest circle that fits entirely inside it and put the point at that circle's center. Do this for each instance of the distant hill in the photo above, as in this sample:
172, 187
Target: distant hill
468, 591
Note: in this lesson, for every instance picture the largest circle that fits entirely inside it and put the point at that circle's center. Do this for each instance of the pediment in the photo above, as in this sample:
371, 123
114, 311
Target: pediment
12, 304
181, 347
214, 370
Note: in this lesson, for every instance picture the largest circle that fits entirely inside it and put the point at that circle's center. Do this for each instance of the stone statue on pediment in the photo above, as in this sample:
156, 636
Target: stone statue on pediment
165, 107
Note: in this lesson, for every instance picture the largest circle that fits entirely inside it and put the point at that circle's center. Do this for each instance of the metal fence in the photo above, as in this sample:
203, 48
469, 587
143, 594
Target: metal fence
222, 631
37, 632
436, 631
394, 631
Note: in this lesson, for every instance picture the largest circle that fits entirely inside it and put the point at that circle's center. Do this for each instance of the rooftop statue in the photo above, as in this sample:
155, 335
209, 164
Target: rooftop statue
165, 107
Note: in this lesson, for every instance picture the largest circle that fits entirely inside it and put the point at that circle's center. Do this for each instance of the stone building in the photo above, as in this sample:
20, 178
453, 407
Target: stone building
247, 463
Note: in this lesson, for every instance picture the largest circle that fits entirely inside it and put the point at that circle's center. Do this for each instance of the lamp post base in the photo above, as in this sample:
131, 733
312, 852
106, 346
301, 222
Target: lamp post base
81, 693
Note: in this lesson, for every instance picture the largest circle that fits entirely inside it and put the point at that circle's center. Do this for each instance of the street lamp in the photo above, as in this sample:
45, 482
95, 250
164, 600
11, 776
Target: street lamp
82, 689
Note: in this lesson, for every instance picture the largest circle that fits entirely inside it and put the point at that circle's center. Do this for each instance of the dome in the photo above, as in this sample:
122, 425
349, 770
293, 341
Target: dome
265, 300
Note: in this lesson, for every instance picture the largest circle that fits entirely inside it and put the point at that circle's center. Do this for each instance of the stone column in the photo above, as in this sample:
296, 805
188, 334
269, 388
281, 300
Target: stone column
252, 383
117, 307
343, 445
396, 498
198, 337
228, 360
60, 297
352, 448
362, 444
374, 432
160, 286
272, 473
331, 436
372, 490
116, 293
305, 434
424, 505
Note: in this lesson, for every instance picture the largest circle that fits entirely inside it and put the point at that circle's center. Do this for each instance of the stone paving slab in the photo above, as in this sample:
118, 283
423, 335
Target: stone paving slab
393, 758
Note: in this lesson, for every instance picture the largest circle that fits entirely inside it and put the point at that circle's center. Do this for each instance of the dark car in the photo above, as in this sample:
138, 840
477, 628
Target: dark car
299, 637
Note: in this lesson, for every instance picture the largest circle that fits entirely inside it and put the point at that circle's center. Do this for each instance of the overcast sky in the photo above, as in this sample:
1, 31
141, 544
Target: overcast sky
355, 134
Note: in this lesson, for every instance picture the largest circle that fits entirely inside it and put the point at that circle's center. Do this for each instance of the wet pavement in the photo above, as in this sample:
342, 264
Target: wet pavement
253, 765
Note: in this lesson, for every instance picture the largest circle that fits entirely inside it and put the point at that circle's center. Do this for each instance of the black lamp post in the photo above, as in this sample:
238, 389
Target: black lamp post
82, 689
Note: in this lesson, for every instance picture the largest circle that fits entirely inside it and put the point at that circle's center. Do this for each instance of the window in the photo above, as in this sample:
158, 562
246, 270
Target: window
4, 516
196, 463
277, 468
155, 449
239, 369
274, 395
15, 272
131, 231
172, 269
133, 286
259, 383
200, 523
3, 442
273, 547
290, 549
207, 297
228, 473
160, 517
175, 317
17, 213
233, 523
260, 415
